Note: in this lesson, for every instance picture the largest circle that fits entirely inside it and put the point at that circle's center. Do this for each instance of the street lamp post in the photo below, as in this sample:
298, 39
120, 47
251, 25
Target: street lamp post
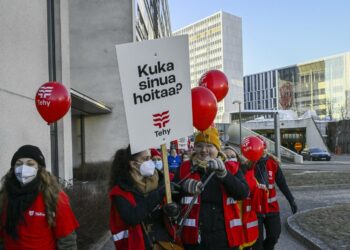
240, 120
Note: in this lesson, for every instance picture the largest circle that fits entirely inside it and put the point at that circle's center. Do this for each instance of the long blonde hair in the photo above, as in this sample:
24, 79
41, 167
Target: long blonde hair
48, 186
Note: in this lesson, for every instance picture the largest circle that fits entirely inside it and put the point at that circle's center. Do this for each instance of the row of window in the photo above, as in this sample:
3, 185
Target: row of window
259, 81
261, 104
262, 94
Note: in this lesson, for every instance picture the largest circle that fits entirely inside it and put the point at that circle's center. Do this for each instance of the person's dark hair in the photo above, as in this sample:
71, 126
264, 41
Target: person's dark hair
121, 166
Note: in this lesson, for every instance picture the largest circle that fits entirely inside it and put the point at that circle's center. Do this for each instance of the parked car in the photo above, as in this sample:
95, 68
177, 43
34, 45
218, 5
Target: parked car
316, 154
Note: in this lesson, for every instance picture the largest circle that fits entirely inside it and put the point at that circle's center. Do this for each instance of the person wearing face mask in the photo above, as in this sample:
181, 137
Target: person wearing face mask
268, 172
136, 194
214, 219
232, 154
157, 159
34, 211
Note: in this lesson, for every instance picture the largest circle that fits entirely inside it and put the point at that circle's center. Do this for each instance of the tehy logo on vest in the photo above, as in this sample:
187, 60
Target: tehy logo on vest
33, 213
160, 120
270, 174
43, 93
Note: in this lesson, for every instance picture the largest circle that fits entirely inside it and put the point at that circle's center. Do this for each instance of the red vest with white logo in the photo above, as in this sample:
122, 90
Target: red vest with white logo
271, 168
125, 237
249, 209
36, 233
233, 222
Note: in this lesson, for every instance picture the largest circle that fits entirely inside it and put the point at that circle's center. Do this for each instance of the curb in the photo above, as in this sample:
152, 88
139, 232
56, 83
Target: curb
306, 236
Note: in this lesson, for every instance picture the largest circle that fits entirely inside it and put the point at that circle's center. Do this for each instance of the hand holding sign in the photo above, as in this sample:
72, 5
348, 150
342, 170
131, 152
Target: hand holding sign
52, 101
216, 81
252, 148
203, 108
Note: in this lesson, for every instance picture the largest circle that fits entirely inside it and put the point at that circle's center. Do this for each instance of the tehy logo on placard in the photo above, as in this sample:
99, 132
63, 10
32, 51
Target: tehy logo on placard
44, 92
160, 121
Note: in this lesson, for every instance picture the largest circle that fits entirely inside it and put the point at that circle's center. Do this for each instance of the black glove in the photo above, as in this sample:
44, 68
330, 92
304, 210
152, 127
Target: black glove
171, 210
293, 207
218, 166
192, 186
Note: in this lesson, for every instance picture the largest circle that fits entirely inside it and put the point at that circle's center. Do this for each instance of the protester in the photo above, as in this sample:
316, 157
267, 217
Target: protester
136, 192
269, 173
156, 157
174, 160
35, 212
214, 220
232, 154
251, 205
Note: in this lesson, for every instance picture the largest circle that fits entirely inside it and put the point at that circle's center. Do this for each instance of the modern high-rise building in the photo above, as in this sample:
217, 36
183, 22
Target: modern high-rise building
322, 86
152, 19
215, 42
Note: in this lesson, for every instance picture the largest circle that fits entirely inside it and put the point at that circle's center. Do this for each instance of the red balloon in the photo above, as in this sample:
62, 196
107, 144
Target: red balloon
203, 108
52, 101
216, 81
252, 148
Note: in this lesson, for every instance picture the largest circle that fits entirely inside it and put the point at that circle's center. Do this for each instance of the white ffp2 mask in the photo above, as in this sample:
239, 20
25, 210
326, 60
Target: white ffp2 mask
25, 174
159, 165
147, 168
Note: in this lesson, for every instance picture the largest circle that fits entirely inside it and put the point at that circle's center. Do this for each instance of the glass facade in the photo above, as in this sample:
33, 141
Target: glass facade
322, 86
152, 19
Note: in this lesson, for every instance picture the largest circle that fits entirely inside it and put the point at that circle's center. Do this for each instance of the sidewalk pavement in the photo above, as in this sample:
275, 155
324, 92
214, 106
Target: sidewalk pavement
323, 228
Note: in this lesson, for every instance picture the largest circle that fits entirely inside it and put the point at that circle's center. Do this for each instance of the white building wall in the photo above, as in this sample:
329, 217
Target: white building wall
233, 63
23, 69
218, 36
95, 28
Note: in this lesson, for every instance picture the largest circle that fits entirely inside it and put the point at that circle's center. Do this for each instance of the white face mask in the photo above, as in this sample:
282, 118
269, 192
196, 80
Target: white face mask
147, 168
158, 164
25, 174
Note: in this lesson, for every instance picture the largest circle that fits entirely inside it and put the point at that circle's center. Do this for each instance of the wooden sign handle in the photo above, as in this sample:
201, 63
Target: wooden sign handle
166, 174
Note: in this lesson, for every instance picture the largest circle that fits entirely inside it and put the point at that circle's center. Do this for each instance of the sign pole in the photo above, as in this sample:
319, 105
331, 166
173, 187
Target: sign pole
166, 174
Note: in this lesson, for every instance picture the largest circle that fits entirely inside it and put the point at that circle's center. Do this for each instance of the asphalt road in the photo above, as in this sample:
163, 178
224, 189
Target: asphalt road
307, 197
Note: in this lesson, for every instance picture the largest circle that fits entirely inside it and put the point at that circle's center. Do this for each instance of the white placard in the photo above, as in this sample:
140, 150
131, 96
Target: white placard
183, 143
155, 78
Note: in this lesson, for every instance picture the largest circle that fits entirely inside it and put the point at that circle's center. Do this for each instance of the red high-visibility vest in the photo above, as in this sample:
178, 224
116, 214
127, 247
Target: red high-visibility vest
272, 167
233, 222
125, 237
249, 209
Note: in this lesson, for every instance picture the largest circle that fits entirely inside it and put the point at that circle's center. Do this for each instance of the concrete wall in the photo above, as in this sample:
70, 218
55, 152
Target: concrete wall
233, 62
23, 68
313, 137
95, 27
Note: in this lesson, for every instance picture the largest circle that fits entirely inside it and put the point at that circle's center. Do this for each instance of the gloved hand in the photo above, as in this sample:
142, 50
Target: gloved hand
262, 186
171, 210
192, 186
218, 166
293, 207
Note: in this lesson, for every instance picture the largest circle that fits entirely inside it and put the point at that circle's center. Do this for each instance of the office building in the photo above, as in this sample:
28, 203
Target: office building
215, 42
321, 87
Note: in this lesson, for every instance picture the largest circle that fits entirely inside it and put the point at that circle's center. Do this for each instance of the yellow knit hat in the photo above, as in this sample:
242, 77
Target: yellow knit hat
210, 135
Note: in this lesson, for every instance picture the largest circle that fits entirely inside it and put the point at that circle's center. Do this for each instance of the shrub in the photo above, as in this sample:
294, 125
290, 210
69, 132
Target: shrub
92, 171
89, 200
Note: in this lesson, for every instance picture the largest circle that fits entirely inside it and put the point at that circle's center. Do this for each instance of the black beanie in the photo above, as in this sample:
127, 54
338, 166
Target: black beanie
29, 151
